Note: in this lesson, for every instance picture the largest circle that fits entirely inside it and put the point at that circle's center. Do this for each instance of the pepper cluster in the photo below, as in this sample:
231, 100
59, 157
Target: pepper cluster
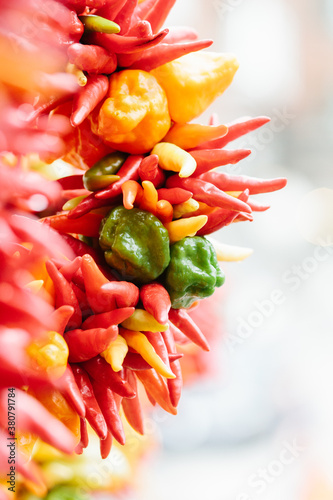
132, 254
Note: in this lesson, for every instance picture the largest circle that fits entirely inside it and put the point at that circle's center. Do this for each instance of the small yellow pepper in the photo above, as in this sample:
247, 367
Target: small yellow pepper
139, 342
192, 82
115, 353
135, 116
49, 354
141, 320
186, 207
26, 444
174, 158
180, 228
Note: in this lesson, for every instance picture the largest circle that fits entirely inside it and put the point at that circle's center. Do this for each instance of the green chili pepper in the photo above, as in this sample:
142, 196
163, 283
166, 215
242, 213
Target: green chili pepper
99, 24
135, 243
102, 174
193, 272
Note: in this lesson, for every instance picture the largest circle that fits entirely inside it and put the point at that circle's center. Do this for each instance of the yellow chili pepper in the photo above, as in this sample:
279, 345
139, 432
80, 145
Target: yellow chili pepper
139, 342
149, 197
26, 444
190, 135
229, 253
34, 286
141, 320
192, 82
135, 116
70, 204
179, 229
115, 353
186, 207
49, 354
172, 157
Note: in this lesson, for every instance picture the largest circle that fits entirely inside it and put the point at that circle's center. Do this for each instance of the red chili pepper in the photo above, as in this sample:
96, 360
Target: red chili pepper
34, 418
71, 182
125, 294
88, 97
86, 344
107, 403
140, 29
150, 171
143, 8
99, 299
84, 438
127, 44
102, 372
235, 131
174, 195
111, 8
180, 34
70, 268
208, 193
159, 12
156, 301
181, 319
93, 411
106, 445
164, 211
104, 320
128, 171
207, 159
178, 335
256, 206
71, 392
174, 385
156, 386
124, 17
220, 217
87, 225
91, 203
158, 344
60, 317
82, 300
165, 53
92, 58
64, 294
135, 361
132, 407
240, 182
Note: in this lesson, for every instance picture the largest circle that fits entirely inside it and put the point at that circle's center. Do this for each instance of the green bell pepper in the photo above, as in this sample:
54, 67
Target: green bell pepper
193, 272
135, 243
103, 173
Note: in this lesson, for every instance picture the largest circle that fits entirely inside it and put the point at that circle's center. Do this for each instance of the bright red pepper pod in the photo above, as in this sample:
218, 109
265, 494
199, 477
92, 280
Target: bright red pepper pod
86, 344
156, 301
181, 319
104, 320
124, 293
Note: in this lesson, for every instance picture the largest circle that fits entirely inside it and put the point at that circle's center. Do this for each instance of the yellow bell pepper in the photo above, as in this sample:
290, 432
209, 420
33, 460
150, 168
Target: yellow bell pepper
49, 354
192, 82
135, 116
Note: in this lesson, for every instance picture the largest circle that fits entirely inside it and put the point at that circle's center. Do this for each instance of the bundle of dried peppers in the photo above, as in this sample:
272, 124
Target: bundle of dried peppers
96, 288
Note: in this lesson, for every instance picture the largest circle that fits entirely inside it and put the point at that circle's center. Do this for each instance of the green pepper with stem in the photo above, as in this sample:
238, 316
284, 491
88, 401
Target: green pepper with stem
103, 173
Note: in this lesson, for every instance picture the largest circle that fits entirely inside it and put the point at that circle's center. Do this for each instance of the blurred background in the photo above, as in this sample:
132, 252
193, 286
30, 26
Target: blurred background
259, 425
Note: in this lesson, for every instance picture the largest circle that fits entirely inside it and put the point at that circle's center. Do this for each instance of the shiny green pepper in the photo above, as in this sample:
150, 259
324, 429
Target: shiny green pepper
102, 174
135, 243
193, 272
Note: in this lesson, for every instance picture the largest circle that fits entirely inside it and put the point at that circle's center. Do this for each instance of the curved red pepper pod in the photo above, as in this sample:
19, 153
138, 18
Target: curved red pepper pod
93, 412
132, 407
150, 171
156, 386
72, 393
99, 300
88, 97
70, 268
92, 58
71, 182
207, 159
60, 317
181, 319
102, 372
125, 294
87, 225
127, 44
240, 182
156, 301
124, 17
107, 403
128, 171
64, 294
106, 445
104, 320
86, 344
174, 195
174, 385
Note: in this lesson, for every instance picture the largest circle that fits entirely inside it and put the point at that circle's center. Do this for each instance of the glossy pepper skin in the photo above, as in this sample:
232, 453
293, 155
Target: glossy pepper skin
97, 176
135, 243
193, 272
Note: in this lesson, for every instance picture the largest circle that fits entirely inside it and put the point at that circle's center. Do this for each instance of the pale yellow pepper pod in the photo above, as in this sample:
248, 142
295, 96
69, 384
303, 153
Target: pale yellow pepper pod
192, 82
174, 158
115, 353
